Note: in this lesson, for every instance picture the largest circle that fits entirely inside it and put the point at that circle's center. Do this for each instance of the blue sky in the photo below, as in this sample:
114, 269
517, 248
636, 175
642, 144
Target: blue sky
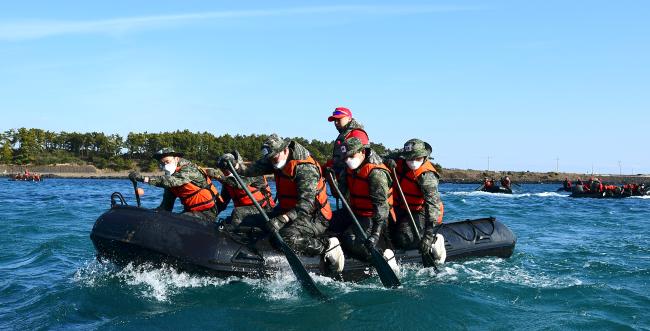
521, 82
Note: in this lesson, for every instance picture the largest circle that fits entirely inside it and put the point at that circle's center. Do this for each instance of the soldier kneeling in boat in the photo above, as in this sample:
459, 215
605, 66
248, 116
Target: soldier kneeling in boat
186, 181
418, 180
366, 184
303, 212
245, 213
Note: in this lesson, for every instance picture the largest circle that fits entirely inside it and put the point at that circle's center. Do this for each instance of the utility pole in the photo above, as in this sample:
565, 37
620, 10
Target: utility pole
620, 172
557, 164
488, 163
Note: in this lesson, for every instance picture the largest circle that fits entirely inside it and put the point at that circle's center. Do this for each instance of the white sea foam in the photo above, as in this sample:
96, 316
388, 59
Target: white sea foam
158, 283
496, 270
162, 283
550, 194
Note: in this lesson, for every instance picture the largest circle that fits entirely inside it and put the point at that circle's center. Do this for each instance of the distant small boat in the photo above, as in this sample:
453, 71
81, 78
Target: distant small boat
604, 195
27, 178
495, 189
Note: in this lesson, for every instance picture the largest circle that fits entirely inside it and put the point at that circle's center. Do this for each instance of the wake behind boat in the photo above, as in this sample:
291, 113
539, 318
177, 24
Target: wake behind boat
126, 234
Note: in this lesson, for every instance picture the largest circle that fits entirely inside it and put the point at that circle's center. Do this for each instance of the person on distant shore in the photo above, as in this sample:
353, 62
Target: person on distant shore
367, 185
186, 181
244, 212
303, 212
418, 180
347, 127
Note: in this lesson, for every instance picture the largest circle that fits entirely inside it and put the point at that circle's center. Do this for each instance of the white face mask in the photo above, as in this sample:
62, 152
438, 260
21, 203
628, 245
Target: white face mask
353, 162
170, 168
414, 165
280, 164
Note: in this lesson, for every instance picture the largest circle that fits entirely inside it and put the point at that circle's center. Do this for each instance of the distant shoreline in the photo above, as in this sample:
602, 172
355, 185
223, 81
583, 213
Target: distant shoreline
458, 176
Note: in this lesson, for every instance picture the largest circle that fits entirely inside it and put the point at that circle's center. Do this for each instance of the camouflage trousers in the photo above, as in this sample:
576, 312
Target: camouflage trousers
248, 216
402, 233
206, 215
304, 235
354, 245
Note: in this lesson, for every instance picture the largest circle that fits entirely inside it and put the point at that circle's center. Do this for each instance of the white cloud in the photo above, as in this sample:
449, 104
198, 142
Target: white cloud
35, 29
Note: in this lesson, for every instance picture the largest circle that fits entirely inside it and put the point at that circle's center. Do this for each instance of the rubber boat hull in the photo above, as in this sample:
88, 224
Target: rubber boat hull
25, 179
126, 234
497, 189
602, 195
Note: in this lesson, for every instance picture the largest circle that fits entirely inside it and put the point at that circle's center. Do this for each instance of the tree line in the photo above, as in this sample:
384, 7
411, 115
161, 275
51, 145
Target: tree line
39, 147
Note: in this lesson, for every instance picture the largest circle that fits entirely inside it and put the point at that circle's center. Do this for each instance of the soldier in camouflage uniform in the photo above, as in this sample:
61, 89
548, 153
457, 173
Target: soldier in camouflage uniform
303, 212
244, 212
418, 180
366, 185
184, 180
347, 127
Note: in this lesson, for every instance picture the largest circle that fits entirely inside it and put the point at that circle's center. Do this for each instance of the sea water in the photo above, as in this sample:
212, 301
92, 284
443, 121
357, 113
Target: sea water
578, 264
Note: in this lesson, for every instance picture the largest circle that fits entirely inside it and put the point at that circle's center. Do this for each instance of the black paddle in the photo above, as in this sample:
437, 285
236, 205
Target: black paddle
135, 190
427, 259
296, 265
386, 273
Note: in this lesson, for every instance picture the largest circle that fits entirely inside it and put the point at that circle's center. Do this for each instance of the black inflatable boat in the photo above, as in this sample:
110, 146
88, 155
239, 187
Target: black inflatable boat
603, 195
496, 189
126, 234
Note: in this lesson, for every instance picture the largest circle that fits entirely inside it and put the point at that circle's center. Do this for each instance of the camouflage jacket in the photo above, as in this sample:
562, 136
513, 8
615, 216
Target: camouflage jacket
428, 184
306, 179
379, 183
336, 151
257, 182
189, 172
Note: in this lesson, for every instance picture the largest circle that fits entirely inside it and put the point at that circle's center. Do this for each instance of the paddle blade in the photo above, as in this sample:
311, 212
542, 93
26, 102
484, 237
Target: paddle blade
299, 270
429, 261
386, 273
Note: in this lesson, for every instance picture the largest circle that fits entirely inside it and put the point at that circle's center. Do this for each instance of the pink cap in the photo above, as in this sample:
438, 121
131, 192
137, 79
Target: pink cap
339, 112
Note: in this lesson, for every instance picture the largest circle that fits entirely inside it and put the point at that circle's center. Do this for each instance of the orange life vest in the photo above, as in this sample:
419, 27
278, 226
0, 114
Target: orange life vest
240, 198
359, 189
194, 197
287, 192
408, 180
